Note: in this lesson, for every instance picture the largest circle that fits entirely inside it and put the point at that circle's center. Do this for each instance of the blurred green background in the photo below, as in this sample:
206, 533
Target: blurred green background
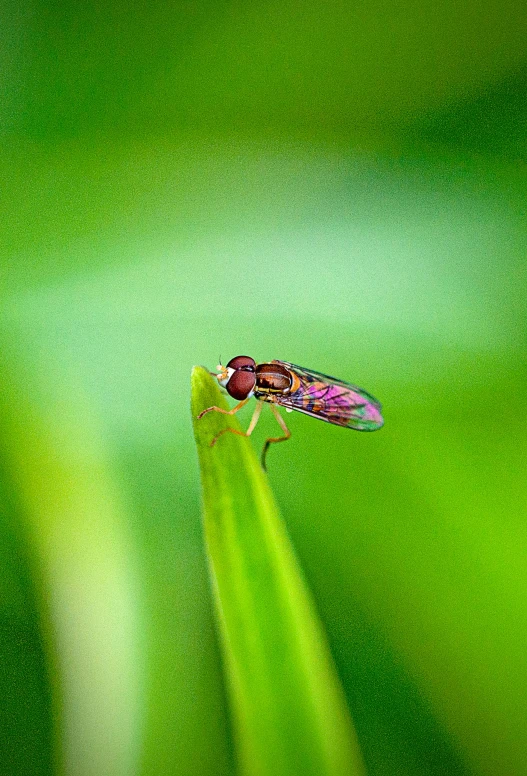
342, 185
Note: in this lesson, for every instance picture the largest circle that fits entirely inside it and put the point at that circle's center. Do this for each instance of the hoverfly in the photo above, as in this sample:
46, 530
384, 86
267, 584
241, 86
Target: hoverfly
294, 388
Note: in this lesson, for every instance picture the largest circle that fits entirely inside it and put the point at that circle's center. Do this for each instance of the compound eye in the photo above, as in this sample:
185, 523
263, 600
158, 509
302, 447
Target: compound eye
242, 362
241, 384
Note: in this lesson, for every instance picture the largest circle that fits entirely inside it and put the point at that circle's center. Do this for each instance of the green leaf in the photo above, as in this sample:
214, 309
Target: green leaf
289, 712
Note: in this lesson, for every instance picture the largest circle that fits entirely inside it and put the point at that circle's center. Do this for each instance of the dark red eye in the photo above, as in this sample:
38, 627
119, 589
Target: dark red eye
241, 384
241, 362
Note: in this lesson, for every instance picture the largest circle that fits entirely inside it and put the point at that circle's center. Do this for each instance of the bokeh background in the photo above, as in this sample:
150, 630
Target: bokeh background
342, 185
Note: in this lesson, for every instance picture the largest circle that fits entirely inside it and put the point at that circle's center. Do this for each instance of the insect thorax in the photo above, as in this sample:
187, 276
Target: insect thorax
272, 378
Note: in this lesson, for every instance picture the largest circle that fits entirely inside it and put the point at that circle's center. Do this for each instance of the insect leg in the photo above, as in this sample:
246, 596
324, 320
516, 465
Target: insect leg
223, 412
252, 424
270, 441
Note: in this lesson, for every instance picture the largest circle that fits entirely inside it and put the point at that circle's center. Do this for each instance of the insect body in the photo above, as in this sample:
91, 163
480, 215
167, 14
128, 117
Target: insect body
295, 388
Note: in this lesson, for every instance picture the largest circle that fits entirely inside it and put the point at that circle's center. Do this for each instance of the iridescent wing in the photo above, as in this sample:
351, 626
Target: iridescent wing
330, 399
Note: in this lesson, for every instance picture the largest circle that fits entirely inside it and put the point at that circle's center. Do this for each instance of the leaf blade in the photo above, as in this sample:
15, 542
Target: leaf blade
289, 711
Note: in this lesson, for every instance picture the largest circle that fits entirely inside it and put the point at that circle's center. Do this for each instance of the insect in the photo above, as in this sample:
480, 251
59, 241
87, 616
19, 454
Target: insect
295, 388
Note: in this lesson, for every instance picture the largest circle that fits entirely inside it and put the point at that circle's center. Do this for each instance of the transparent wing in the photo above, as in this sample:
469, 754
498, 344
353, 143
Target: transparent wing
331, 400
